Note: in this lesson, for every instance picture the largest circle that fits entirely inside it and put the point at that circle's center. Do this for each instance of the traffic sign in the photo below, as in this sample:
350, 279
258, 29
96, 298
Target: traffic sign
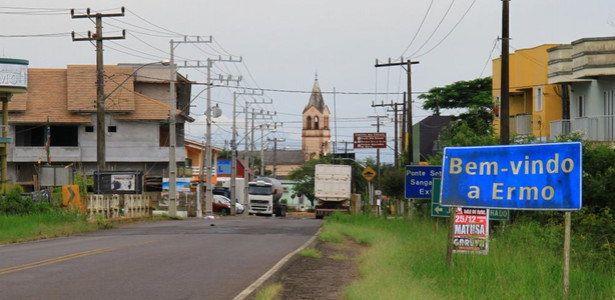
440, 211
532, 176
368, 173
367, 140
419, 181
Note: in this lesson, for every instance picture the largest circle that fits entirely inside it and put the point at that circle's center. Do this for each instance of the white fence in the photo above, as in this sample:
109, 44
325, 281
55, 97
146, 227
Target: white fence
116, 206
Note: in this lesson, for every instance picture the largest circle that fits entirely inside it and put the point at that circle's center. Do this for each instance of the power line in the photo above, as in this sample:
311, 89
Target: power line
451, 31
434, 31
419, 29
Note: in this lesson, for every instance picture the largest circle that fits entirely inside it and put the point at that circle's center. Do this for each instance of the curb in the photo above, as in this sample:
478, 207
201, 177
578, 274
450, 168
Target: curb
256, 284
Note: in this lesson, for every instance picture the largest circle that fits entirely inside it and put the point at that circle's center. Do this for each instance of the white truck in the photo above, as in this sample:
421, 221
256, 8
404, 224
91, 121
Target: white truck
332, 188
264, 195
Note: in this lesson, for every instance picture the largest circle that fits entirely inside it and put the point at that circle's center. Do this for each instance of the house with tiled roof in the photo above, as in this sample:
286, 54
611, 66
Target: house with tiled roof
136, 118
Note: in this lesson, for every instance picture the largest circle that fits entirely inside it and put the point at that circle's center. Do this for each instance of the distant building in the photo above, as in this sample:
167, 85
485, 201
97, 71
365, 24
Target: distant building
136, 119
533, 101
584, 72
427, 134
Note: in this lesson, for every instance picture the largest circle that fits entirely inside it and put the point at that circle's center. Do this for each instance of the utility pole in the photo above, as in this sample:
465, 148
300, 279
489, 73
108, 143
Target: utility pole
408, 63
100, 80
234, 150
209, 188
505, 112
247, 156
394, 105
172, 127
275, 153
377, 150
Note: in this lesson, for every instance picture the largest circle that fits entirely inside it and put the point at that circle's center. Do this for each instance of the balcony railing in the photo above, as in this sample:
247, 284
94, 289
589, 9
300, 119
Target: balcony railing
520, 124
594, 128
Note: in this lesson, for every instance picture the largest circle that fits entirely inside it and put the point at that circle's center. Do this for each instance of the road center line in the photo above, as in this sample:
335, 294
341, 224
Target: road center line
67, 257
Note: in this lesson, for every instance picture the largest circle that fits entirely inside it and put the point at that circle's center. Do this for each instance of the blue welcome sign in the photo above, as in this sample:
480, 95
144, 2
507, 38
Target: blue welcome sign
532, 176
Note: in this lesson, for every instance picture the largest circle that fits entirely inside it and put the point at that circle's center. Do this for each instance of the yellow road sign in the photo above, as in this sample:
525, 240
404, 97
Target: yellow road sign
368, 173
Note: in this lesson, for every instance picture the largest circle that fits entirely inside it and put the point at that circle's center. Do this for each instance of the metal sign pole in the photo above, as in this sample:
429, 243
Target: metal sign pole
567, 254
451, 237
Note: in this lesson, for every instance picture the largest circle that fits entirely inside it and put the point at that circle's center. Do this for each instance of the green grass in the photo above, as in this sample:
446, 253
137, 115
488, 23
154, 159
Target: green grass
311, 252
340, 257
53, 223
407, 260
270, 292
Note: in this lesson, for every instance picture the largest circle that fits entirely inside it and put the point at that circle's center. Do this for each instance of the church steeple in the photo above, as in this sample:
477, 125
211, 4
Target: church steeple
316, 135
316, 99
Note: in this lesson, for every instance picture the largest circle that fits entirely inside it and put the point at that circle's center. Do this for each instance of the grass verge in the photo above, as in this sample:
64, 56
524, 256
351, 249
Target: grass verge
53, 223
407, 260
310, 252
270, 292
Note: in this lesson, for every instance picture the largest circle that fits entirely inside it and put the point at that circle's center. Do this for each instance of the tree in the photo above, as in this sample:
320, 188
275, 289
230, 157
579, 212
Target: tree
474, 95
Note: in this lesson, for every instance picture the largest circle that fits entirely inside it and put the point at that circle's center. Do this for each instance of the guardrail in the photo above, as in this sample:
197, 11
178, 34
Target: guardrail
117, 206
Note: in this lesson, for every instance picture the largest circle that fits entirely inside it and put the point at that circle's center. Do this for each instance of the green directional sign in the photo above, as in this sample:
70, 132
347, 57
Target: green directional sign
439, 211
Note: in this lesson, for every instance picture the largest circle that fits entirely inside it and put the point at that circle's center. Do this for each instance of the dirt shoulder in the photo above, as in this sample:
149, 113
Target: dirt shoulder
319, 278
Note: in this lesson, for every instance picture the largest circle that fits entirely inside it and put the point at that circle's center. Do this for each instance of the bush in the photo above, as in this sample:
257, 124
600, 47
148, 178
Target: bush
14, 203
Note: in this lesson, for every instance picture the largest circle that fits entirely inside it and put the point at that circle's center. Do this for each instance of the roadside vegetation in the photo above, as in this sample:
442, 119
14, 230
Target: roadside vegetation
407, 260
23, 219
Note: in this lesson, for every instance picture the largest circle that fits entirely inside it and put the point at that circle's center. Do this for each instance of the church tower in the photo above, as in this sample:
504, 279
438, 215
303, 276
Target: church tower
316, 133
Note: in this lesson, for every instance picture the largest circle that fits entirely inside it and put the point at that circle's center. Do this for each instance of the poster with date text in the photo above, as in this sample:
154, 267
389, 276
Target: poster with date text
471, 231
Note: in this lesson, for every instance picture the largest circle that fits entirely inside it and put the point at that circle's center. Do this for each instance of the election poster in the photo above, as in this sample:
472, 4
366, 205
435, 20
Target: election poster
471, 231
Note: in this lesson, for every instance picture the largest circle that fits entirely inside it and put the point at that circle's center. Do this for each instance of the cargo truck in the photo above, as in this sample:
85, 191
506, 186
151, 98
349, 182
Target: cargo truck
264, 195
332, 189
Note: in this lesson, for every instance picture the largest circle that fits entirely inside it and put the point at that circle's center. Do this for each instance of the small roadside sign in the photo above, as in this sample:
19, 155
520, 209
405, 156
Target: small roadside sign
419, 181
440, 211
368, 173
369, 140
471, 231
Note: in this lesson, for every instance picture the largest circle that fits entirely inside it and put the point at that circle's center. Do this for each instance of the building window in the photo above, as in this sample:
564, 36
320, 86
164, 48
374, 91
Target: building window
163, 140
315, 122
581, 107
89, 128
112, 129
35, 136
308, 123
538, 98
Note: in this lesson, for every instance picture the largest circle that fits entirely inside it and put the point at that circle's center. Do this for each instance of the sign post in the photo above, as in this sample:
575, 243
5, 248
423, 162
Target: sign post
522, 177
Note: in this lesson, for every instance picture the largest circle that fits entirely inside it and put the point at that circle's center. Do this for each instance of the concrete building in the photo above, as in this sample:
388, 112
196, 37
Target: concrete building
584, 71
533, 101
64, 100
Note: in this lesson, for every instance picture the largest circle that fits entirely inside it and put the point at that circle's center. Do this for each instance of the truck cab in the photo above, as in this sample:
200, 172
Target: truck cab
264, 197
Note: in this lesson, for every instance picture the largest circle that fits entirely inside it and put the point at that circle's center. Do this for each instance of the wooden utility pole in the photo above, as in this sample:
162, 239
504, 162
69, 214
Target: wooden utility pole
504, 105
395, 111
100, 80
408, 63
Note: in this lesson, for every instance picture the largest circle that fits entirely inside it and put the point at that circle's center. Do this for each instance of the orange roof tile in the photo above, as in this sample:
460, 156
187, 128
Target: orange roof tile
46, 97
81, 87
147, 109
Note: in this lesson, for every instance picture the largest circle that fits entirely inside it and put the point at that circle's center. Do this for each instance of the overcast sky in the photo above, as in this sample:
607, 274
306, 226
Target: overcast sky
284, 43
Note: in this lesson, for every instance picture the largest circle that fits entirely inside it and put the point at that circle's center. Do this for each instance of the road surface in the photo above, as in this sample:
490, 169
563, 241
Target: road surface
177, 259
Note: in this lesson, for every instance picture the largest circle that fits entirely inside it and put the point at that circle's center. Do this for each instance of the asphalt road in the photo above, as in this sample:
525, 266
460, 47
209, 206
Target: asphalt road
181, 259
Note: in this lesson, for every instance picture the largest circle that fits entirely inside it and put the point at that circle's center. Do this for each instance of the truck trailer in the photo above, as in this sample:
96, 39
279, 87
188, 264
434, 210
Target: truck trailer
264, 195
332, 189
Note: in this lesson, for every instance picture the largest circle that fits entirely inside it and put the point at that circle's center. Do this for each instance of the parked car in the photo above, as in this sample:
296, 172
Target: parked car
226, 201
221, 207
